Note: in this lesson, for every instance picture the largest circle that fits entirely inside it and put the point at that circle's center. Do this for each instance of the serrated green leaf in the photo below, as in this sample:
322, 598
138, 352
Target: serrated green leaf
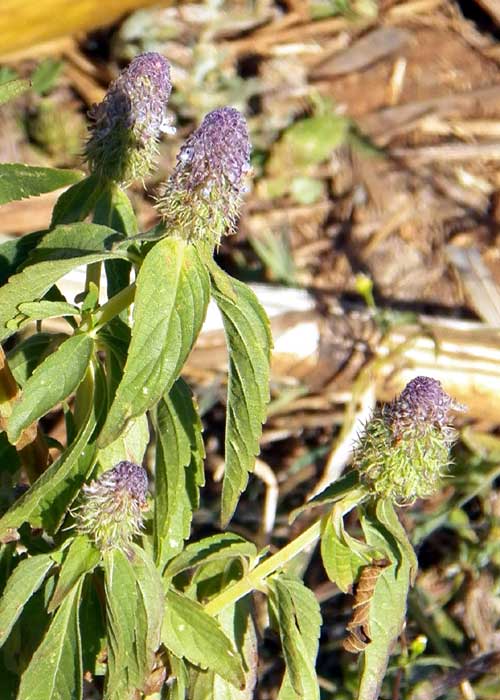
299, 619
18, 181
387, 608
226, 545
249, 342
149, 612
26, 578
56, 254
77, 202
387, 516
54, 380
38, 310
179, 469
236, 621
130, 446
163, 333
27, 355
189, 632
45, 503
15, 251
13, 88
55, 671
122, 673
74, 240
342, 556
134, 610
80, 558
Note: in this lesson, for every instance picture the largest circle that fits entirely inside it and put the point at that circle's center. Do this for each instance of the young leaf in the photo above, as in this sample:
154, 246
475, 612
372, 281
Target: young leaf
18, 181
54, 380
342, 555
13, 88
77, 202
236, 621
26, 578
179, 678
163, 333
80, 558
179, 469
55, 671
226, 545
249, 342
38, 310
298, 615
134, 609
34, 281
45, 503
189, 632
387, 611
387, 516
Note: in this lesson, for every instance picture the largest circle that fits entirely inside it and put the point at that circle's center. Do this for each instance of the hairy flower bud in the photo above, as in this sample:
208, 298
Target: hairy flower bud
128, 122
203, 195
405, 448
111, 513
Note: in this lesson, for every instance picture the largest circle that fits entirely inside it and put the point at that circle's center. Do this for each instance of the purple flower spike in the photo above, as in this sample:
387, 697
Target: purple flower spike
422, 403
113, 504
128, 122
203, 194
405, 449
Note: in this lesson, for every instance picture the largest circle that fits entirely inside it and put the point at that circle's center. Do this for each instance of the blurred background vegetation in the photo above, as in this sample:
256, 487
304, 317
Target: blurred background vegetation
371, 234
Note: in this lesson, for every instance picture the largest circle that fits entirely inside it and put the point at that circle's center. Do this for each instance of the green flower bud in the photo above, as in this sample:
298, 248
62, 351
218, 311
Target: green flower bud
111, 513
203, 195
127, 124
405, 449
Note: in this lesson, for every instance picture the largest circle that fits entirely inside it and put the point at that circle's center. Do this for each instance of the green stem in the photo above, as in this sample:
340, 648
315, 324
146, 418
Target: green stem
254, 579
118, 303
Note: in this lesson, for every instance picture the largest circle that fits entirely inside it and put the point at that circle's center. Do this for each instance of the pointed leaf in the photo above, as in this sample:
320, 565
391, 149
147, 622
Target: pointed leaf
55, 671
77, 202
56, 254
80, 558
179, 469
249, 341
45, 503
342, 556
54, 380
387, 609
14, 252
149, 612
299, 619
226, 545
189, 632
27, 355
26, 578
18, 181
123, 676
236, 621
163, 333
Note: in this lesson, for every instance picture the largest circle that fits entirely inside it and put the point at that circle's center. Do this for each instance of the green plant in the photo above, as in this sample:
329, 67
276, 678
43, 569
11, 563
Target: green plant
97, 577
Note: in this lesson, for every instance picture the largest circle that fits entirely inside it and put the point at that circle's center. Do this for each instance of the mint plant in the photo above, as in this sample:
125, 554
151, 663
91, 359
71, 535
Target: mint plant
99, 576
